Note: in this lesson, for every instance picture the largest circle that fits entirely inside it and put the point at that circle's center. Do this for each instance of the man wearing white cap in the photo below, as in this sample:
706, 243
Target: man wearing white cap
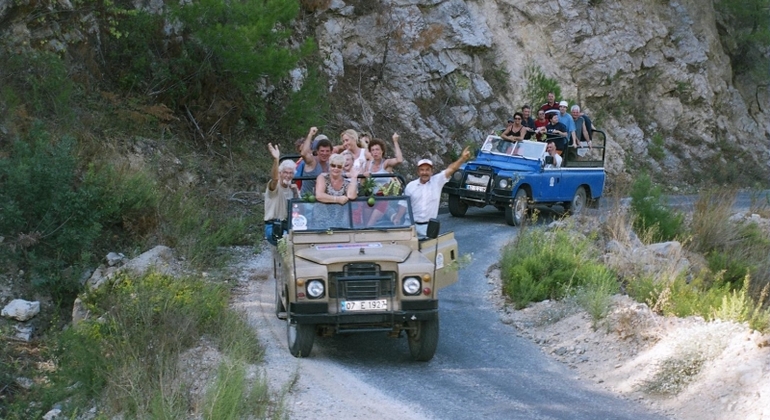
425, 191
568, 122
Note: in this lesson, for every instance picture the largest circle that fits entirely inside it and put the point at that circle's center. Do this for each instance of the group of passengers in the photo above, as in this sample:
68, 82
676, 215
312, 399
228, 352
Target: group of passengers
568, 131
335, 174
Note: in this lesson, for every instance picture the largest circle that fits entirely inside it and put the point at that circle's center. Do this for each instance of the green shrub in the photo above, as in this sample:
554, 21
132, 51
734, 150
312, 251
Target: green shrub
538, 86
55, 214
655, 149
548, 265
746, 35
196, 228
653, 217
127, 351
595, 296
41, 80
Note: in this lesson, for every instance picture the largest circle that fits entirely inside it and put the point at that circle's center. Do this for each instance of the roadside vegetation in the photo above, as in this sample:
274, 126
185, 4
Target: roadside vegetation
129, 352
136, 137
732, 284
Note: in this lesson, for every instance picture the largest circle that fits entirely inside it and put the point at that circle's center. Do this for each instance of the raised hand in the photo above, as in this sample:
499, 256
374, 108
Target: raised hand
274, 150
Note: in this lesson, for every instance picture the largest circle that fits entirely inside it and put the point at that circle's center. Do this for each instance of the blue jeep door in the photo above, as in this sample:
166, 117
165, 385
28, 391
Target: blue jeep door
549, 186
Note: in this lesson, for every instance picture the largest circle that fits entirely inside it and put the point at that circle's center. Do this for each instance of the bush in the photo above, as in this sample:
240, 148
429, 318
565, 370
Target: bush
41, 80
745, 34
55, 213
549, 265
653, 217
127, 351
538, 86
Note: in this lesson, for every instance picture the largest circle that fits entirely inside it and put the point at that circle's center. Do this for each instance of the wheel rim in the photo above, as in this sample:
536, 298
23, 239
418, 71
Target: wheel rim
579, 201
520, 206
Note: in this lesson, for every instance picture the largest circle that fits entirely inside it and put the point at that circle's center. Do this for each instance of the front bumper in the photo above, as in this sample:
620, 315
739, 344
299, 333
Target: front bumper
317, 313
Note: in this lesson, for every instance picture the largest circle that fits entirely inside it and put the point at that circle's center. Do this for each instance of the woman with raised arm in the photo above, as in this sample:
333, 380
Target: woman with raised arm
378, 164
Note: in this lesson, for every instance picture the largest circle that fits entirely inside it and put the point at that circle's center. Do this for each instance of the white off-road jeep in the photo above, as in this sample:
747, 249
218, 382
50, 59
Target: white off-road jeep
357, 268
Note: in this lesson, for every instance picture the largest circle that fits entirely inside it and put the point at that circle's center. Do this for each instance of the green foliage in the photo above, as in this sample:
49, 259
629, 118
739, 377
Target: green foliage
655, 148
745, 33
595, 295
39, 79
196, 228
538, 86
549, 265
225, 50
652, 214
56, 214
127, 351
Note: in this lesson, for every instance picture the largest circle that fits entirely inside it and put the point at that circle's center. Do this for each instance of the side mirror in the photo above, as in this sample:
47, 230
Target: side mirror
549, 160
277, 230
433, 228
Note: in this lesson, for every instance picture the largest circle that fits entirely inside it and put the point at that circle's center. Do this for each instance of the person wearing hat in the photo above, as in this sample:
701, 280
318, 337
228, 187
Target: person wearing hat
425, 191
566, 119
316, 158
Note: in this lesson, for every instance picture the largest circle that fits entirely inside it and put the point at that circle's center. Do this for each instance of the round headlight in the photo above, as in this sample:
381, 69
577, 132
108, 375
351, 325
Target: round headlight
411, 286
502, 183
457, 176
315, 289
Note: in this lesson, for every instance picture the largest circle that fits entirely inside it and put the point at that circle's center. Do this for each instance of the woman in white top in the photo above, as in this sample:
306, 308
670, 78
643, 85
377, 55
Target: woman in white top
360, 156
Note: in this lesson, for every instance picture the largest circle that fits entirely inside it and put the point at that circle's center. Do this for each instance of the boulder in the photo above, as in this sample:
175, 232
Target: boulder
21, 310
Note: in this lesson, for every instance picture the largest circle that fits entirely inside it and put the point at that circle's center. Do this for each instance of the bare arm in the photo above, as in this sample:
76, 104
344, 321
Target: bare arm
352, 191
307, 151
392, 162
273, 183
456, 164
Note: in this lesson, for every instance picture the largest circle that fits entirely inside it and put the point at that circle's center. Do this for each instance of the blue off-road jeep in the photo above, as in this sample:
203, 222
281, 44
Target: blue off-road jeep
514, 176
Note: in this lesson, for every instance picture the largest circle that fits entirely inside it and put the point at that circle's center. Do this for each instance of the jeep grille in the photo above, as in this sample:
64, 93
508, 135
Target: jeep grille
362, 281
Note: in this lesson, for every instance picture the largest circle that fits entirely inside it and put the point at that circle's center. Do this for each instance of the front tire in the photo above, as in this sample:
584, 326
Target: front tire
457, 207
517, 213
423, 339
578, 202
300, 338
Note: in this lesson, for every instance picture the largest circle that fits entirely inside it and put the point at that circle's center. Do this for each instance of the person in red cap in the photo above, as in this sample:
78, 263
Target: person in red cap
425, 191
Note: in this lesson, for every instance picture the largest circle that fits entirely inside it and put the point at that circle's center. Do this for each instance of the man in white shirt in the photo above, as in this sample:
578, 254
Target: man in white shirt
550, 150
425, 191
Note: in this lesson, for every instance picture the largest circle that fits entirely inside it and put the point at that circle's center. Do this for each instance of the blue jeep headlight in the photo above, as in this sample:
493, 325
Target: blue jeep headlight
504, 183
458, 175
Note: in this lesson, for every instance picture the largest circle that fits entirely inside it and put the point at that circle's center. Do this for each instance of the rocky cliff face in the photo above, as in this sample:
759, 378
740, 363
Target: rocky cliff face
652, 73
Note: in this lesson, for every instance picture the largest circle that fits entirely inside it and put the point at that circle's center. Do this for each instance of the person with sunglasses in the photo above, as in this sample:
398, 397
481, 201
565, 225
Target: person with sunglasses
333, 187
515, 131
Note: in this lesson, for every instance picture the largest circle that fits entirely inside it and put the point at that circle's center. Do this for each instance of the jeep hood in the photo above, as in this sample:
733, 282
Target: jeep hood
325, 254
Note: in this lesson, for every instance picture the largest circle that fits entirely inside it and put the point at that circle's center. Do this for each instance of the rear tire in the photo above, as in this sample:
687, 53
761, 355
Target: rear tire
423, 339
457, 207
300, 338
517, 213
578, 203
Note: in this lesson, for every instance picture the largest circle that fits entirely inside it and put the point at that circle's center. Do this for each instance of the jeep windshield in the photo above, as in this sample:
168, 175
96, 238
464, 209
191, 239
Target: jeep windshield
377, 212
525, 149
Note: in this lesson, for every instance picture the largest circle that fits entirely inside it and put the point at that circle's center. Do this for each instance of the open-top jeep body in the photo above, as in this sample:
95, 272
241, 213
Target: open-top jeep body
357, 268
514, 176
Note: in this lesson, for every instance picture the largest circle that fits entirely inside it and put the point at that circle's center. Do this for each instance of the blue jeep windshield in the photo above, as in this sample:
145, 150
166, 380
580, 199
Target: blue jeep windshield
358, 214
526, 149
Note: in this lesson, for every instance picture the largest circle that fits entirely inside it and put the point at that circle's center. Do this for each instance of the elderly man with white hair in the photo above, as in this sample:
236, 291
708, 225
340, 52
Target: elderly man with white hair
279, 190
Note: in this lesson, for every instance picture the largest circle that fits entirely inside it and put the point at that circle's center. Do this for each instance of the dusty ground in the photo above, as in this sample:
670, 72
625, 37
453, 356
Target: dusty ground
627, 353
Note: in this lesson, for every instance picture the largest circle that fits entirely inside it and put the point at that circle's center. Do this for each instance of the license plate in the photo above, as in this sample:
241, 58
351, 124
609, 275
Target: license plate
478, 188
363, 305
